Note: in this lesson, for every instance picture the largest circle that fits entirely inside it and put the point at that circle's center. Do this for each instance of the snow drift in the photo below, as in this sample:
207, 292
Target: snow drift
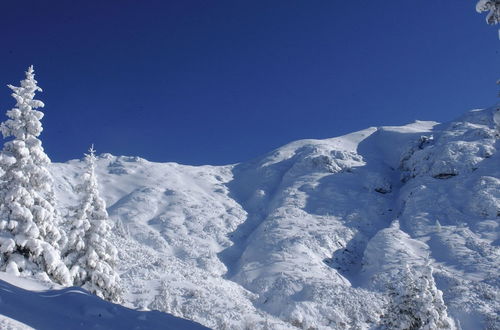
73, 308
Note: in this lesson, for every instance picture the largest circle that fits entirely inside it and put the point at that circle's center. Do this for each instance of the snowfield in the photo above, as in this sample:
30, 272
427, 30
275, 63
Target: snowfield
312, 235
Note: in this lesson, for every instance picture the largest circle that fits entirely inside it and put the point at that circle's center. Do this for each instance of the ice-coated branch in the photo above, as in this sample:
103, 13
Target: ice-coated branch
493, 9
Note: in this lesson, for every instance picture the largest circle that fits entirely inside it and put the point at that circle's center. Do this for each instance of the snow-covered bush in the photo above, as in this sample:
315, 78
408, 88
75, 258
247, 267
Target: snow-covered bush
90, 254
29, 234
485, 197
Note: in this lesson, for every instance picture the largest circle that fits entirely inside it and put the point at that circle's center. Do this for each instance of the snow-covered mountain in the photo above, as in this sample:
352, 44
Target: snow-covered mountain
315, 234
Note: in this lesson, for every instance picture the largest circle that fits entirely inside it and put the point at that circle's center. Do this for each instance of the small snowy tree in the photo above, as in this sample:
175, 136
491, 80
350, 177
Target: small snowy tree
29, 233
90, 254
493, 9
415, 302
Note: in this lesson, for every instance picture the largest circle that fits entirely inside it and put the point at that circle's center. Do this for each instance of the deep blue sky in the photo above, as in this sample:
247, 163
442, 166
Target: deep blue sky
216, 82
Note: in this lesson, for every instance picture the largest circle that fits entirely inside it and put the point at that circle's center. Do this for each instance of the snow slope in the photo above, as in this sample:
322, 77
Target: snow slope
310, 235
72, 308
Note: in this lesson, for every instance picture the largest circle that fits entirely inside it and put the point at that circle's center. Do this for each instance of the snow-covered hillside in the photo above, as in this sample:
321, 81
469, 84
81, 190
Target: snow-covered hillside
314, 234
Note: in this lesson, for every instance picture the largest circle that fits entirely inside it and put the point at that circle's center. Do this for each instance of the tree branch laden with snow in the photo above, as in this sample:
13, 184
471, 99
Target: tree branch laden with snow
493, 9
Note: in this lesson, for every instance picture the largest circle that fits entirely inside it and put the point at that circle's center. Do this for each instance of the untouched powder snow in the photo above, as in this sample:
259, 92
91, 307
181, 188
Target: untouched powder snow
73, 308
313, 234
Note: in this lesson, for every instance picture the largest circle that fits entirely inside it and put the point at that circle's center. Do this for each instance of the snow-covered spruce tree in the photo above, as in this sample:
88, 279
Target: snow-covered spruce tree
29, 233
493, 9
90, 255
415, 302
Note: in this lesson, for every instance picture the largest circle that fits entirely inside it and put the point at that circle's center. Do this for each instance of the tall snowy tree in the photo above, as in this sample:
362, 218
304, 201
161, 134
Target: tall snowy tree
493, 9
415, 302
29, 233
90, 254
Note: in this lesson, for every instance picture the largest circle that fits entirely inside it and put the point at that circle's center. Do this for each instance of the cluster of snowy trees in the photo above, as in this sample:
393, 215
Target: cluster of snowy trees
34, 239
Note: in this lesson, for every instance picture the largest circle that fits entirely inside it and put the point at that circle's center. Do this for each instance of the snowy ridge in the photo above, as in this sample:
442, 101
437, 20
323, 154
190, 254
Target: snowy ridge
311, 234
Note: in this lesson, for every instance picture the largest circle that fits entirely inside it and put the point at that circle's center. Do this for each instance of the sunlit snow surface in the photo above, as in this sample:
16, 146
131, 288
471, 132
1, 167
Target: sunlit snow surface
308, 235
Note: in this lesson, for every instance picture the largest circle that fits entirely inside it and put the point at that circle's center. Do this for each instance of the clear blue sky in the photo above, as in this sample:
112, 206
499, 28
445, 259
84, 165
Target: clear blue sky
217, 82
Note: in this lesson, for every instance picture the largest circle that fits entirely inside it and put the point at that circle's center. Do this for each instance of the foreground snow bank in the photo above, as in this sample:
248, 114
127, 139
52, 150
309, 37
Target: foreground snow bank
73, 308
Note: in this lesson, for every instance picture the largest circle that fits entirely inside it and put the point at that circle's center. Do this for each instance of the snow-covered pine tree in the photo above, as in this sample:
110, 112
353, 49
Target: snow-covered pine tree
90, 254
415, 302
29, 233
493, 9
